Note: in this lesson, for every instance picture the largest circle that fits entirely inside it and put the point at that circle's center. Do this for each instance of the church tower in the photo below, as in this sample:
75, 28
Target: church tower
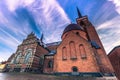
81, 50
101, 57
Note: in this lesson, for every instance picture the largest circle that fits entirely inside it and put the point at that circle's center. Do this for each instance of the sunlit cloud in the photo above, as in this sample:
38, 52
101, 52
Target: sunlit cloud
14, 27
113, 23
117, 4
14, 4
106, 22
4, 57
19, 17
109, 32
52, 19
8, 39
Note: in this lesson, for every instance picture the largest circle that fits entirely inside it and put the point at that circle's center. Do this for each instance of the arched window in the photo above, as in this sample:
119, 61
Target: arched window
64, 53
50, 64
17, 59
72, 50
82, 51
74, 69
27, 56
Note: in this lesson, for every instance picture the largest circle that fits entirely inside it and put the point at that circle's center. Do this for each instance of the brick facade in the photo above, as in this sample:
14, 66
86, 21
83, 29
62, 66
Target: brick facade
104, 63
81, 46
48, 63
114, 57
75, 59
80, 51
28, 55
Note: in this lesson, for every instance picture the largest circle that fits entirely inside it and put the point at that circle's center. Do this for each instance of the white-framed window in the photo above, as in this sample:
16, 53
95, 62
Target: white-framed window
17, 58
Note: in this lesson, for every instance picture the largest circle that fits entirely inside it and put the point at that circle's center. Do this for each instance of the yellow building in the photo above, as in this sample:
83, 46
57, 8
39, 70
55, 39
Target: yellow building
2, 66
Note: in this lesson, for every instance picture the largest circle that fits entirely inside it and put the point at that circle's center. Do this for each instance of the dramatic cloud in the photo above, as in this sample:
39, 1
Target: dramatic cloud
18, 18
117, 5
110, 33
107, 22
51, 17
14, 4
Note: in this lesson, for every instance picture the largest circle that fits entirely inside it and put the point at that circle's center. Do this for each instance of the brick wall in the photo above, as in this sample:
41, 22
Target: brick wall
92, 35
48, 67
114, 57
84, 64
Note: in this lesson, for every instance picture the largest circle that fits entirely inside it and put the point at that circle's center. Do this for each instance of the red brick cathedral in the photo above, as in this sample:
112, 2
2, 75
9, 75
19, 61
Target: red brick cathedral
79, 53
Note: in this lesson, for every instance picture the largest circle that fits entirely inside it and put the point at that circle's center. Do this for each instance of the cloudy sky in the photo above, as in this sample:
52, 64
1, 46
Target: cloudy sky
20, 17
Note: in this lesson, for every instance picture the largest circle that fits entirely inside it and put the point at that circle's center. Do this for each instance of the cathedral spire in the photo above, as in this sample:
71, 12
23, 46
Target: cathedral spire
79, 14
41, 37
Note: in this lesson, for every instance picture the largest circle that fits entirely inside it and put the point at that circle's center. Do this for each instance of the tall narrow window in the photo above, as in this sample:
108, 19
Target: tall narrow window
27, 56
64, 53
72, 50
17, 60
82, 51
